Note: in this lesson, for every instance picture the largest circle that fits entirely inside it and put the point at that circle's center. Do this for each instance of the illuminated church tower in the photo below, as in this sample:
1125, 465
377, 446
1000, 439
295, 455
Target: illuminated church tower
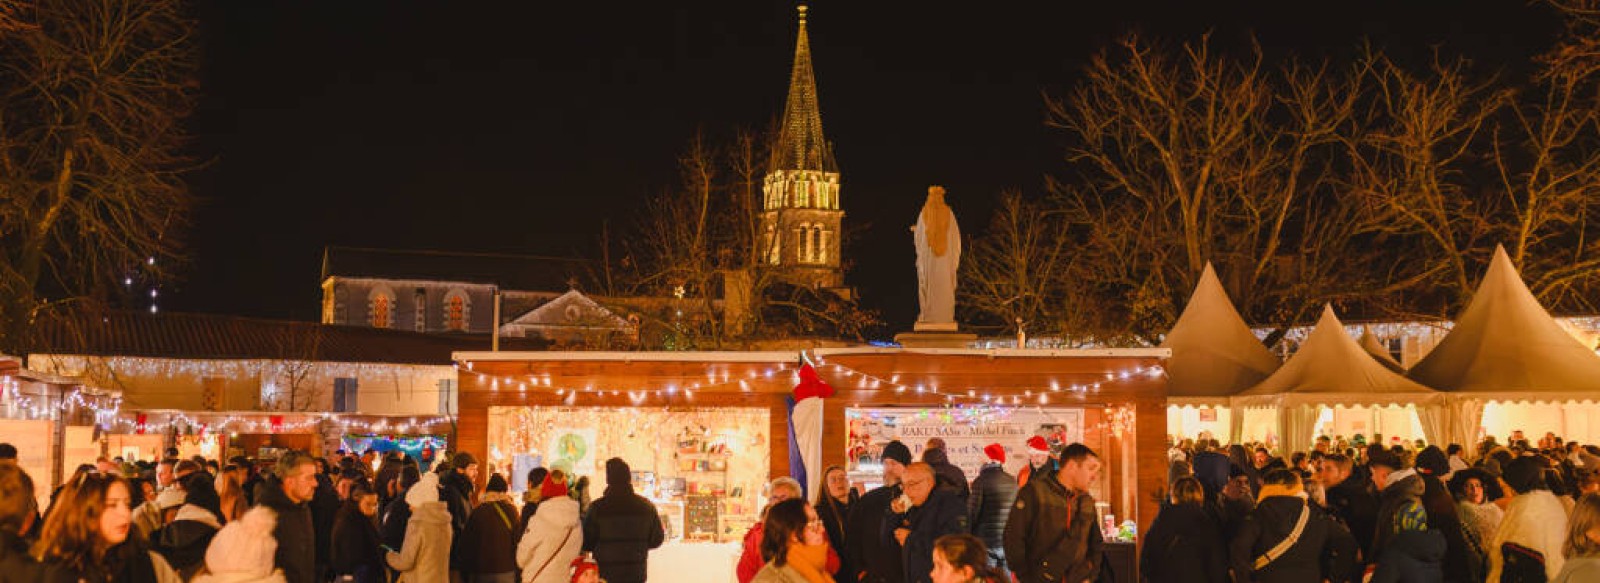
800, 211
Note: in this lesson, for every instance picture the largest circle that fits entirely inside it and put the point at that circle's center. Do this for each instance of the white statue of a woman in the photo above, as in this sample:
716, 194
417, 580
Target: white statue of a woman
938, 241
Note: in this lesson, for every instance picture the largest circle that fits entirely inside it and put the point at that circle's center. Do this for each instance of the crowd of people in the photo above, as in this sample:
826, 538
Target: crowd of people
372, 518
1347, 511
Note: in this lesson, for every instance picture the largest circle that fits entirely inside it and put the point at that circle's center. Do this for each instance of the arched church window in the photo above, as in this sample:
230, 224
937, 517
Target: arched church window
816, 243
380, 308
822, 245
455, 311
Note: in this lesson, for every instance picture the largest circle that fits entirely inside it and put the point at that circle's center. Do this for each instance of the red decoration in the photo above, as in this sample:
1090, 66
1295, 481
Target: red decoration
811, 385
139, 423
276, 421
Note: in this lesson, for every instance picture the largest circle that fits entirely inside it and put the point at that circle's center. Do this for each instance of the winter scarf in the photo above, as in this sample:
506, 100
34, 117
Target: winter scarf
810, 561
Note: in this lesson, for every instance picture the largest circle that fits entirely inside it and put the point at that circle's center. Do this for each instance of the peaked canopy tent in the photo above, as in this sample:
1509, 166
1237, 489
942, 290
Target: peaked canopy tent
1330, 371
1375, 347
1507, 364
1214, 356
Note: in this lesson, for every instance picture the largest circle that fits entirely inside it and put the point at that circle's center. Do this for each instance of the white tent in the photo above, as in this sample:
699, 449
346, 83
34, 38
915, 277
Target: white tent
1506, 352
1214, 355
1375, 347
1331, 371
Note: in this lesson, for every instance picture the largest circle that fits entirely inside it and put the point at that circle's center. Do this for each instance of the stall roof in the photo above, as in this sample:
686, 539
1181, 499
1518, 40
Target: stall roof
1331, 366
1373, 346
1506, 342
1214, 354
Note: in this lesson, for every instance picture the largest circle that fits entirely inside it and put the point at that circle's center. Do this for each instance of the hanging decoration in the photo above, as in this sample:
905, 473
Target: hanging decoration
805, 430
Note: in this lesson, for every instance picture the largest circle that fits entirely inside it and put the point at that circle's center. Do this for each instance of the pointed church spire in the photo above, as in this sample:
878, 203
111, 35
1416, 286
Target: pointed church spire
800, 143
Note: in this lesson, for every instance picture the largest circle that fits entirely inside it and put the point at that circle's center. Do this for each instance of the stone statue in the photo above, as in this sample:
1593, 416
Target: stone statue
938, 241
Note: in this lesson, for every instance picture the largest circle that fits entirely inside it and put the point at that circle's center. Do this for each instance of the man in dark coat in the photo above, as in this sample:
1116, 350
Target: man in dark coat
912, 528
456, 489
1052, 533
1397, 489
1351, 500
863, 529
488, 543
950, 478
287, 496
1323, 551
17, 509
993, 493
324, 508
1432, 465
621, 528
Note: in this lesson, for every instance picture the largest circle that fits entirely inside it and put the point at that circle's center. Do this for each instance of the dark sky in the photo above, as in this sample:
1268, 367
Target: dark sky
520, 126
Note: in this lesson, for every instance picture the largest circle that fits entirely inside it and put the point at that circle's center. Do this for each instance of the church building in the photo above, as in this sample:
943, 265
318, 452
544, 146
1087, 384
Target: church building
801, 211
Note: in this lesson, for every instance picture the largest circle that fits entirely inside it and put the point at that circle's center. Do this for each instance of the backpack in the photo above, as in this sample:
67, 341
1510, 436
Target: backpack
1521, 564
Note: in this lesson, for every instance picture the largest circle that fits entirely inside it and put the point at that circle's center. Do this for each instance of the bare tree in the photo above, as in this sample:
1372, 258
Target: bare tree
294, 375
1180, 157
1014, 274
94, 94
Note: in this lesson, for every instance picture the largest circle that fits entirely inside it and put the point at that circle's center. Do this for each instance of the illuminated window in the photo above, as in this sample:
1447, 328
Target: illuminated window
382, 311
455, 311
822, 245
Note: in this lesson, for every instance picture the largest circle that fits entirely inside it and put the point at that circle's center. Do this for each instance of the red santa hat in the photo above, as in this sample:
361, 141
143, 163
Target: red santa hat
1037, 445
995, 452
581, 565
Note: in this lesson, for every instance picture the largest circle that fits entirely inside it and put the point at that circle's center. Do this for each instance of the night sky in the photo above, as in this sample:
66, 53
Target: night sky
521, 127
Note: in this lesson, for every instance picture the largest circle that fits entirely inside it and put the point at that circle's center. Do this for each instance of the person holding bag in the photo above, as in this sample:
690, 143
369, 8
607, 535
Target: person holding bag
1285, 539
554, 536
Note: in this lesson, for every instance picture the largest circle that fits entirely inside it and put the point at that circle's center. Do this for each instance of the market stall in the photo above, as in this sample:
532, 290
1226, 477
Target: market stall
1214, 356
1333, 380
1507, 365
525, 408
53, 421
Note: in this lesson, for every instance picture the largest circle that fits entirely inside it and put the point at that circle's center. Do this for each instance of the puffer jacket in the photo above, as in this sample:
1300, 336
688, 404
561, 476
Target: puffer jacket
183, 543
993, 493
620, 529
1535, 520
1412, 556
553, 539
425, 557
1405, 488
1034, 528
1325, 549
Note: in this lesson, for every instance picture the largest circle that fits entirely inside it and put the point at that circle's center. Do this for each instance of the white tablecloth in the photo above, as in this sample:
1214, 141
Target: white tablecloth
681, 562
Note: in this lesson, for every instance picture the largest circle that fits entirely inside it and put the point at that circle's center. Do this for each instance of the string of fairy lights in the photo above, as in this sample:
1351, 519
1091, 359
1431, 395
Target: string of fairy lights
862, 380
264, 422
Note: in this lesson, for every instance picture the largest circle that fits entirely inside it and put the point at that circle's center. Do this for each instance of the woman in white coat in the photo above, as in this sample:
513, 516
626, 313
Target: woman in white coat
425, 555
554, 536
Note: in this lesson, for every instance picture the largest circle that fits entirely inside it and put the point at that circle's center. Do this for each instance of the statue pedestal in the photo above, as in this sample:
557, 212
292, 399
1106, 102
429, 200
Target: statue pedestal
935, 335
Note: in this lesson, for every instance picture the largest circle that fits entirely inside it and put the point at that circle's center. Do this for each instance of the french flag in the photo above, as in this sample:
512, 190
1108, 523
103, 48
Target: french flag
805, 430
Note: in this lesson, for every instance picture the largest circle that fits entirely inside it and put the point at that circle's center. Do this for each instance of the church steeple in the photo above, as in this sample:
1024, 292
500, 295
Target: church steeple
801, 215
801, 146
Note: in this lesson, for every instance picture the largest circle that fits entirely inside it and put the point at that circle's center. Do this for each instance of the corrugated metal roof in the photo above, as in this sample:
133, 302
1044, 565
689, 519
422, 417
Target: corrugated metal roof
207, 336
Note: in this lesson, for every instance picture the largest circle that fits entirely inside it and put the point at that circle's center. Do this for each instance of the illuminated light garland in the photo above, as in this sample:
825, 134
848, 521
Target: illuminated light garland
76, 365
866, 382
254, 423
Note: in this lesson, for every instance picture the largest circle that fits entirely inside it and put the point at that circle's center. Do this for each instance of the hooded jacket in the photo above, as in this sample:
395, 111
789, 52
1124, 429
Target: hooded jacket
1405, 487
620, 529
1184, 545
183, 543
425, 557
553, 539
1536, 520
1325, 549
296, 537
946, 475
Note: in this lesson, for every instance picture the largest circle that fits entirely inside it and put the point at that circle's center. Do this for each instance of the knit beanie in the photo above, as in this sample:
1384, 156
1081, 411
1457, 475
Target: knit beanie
995, 452
497, 483
1433, 462
552, 489
617, 472
898, 452
581, 565
424, 491
245, 546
